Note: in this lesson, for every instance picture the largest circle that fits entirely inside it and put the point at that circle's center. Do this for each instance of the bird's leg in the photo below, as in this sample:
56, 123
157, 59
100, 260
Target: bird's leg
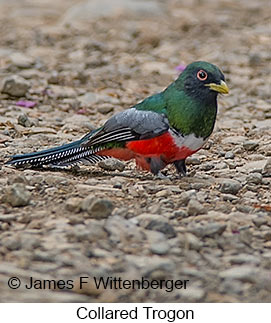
180, 167
156, 164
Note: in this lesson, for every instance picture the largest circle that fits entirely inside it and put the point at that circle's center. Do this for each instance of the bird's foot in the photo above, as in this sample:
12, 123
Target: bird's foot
164, 177
180, 167
160, 175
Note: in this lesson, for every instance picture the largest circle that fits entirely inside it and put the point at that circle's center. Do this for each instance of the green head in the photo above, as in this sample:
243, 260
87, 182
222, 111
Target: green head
192, 98
203, 81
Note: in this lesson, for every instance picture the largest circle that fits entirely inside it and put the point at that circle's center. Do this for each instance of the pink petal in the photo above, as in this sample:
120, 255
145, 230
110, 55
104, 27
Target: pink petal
26, 104
81, 111
180, 68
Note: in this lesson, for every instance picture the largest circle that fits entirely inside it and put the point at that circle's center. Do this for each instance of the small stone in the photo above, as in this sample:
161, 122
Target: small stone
233, 140
192, 160
207, 166
266, 235
259, 221
243, 273
163, 227
229, 155
209, 229
267, 168
244, 259
53, 77
21, 60
229, 197
60, 92
18, 179
11, 243
24, 121
195, 207
254, 178
192, 294
230, 186
100, 209
160, 248
87, 99
98, 9
87, 201
192, 242
73, 204
221, 165
88, 289
250, 145
112, 164
7, 217
15, 85
17, 195
105, 108
117, 185
163, 193
185, 197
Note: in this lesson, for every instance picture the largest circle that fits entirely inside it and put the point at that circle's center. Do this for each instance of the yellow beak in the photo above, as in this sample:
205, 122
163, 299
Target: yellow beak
220, 88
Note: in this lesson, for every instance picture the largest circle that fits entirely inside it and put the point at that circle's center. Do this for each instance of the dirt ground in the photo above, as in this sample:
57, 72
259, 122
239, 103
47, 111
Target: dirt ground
79, 62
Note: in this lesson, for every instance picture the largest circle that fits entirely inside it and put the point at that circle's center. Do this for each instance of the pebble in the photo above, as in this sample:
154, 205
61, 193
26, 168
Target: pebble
122, 230
254, 178
160, 248
73, 204
208, 230
195, 207
192, 160
186, 196
105, 108
97, 9
24, 121
207, 166
89, 289
87, 99
192, 242
112, 164
192, 294
267, 168
250, 145
230, 186
244, 259
229, 197
12, 243
229, 155
100, 208
15, 85
259, 221
243, 273
87, 201
21, 60
17, 195
60, 92
7, 217
221, 165
163, 227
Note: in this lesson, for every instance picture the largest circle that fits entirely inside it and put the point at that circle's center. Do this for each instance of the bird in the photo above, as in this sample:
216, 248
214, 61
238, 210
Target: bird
162, 129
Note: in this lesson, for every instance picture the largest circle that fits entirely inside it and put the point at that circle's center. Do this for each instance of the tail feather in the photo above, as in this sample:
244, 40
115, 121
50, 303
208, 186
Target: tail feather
65, 155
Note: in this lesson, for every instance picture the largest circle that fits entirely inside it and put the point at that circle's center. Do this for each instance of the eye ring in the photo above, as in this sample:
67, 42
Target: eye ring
202, 75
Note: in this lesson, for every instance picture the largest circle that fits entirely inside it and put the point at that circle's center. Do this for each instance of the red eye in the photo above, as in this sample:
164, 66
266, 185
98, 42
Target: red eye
202, 75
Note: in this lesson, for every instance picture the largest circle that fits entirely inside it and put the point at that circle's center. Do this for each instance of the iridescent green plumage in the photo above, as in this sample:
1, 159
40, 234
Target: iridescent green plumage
189, 105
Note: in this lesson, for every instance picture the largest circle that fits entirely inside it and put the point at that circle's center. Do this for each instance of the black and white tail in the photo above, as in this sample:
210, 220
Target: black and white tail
66, 155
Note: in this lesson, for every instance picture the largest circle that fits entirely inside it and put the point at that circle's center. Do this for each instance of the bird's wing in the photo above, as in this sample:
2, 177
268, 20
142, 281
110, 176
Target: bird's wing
129, 125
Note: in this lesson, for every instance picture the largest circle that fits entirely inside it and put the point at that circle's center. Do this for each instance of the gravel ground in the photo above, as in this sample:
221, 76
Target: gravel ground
65, 67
